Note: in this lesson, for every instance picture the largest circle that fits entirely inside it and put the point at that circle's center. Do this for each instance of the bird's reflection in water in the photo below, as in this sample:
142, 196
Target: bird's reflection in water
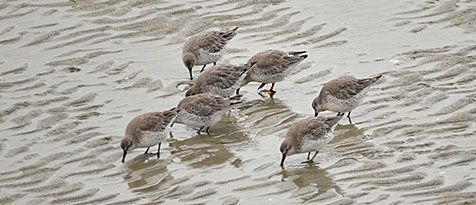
310, 175
266, 116
176, 88
201, 151
206, 150
261, 105
346, 131
145, 172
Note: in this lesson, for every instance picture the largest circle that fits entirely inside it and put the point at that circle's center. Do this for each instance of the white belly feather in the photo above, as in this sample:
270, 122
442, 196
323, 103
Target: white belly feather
266, 78
153, 138
338, 105
205, 57
193, 120
315, 145
223, 92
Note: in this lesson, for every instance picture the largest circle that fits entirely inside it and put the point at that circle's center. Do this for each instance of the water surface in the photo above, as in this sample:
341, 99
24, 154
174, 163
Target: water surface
73, 73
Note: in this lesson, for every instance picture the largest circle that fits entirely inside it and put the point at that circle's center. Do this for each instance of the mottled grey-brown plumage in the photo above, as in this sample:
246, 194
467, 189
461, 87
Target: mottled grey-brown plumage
342, 94
307, 135
269, 63
202, 110
272, 66
151, 122
205, 48
211, 41
147, 130
220, 80
314, 128
204, 104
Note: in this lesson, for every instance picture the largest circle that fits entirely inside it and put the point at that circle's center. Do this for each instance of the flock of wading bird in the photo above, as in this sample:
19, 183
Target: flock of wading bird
208, 98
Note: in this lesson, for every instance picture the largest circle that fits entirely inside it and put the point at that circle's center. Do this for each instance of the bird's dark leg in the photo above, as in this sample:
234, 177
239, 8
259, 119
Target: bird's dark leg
147, 150
214, 63
261, 86
203, 68
200, 130
315, 154
207, 130
338, 114
158, 150
271, 91
310, 160
237, 91
348, 115
272, 87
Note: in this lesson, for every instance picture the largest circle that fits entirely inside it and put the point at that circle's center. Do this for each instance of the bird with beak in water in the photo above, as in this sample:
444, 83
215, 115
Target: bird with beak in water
147, 130
308, 135
205, 48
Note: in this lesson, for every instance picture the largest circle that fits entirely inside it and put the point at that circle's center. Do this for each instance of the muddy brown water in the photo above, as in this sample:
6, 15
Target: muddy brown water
73, 73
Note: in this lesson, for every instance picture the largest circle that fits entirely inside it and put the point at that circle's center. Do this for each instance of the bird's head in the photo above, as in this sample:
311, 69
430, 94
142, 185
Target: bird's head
317, 106
286, 149
127, 145
189, 60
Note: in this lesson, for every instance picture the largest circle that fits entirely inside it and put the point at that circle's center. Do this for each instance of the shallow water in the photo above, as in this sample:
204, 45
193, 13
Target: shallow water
73, 73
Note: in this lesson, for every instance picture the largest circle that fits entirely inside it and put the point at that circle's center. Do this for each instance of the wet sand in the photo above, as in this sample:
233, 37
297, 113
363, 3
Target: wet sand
73, 73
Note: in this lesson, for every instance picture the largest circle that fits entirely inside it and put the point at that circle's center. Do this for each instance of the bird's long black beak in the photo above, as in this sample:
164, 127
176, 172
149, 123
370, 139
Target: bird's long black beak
316, 113
282, 159
124, 156
172, 124
190, 71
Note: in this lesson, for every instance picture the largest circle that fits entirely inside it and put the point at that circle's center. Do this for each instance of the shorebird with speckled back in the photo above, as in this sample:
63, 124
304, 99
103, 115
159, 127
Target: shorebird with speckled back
205, 48
147, 130
219, 80
272, 66
308, 135
342, 94
202, 110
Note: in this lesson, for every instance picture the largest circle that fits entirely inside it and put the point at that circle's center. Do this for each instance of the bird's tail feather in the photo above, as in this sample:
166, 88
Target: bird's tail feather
296, 52
228, 35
